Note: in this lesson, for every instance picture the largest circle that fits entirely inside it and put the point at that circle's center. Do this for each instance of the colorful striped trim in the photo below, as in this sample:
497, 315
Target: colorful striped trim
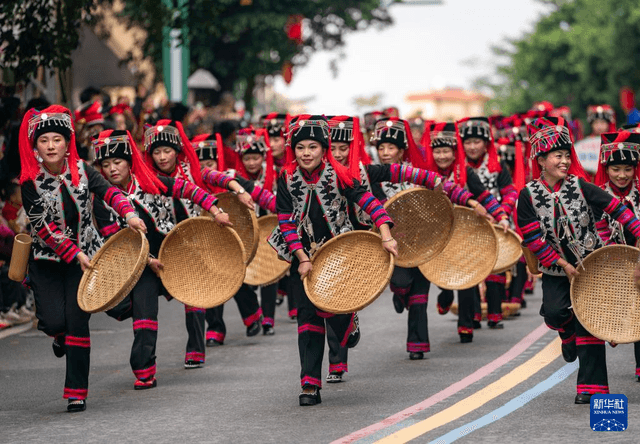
190, 309
145, 373
457, 195
70, 393
194, 356
145, 324
487, 200
592, 389
110, 230
264, 198
509, 198
77, 341
289, 229
268, 321
309, 380
569, 340
324, 314
253, 318
588, 340
183, 189
417, 299
340, 367
374, 209
293, 312
345, 339
494, 317
623, 215
465, 331
215, 335
400, 291
65, 248
477, 317
414, 347
311, 329
216, 178
637, 371
497, 278
118, 201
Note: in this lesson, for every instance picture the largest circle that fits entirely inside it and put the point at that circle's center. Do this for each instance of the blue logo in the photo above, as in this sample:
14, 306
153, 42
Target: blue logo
609, 413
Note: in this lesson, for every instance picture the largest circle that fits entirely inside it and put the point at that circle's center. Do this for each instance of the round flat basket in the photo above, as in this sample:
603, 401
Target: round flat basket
530, 259
244, 221
203, 262
349, 272
509, 250
423, 221
604, 295
265, 268
470, 255
115, 270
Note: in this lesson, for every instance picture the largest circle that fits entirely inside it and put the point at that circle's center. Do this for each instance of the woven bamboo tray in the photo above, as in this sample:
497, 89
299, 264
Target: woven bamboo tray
604, 295
508, 309
203, 262
115, 270
349, 272
265, 268
244, 221
509, 250
423, 222
530, 259
470, 255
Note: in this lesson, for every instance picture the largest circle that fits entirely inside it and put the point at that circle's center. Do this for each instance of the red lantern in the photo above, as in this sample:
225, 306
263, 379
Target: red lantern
293, 28
287, 72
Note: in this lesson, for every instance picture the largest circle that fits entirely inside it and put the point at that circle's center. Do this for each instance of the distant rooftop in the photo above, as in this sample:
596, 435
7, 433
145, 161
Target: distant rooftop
448, 94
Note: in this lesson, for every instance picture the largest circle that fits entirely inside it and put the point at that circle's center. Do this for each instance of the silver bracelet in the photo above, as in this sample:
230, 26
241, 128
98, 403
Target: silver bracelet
130, 216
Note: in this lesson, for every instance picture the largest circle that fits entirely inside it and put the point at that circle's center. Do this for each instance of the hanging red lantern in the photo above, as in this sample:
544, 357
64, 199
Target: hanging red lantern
293, 28
287, 72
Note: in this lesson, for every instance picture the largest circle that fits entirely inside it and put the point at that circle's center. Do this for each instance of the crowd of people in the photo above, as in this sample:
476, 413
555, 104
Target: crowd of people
78, 178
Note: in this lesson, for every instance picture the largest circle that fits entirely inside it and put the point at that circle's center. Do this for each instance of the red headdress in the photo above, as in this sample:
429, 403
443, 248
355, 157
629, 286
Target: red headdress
445, 134
604, 112
121, 108
397, 131
90, 114
209, 147
346, 129
622, 148
120, 144
170, 133
305, 127
250, 141
548, 134
479, 127
55, 118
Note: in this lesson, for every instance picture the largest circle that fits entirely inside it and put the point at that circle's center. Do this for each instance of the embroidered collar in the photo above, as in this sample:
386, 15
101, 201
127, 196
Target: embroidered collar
314, 176
621, 192
475, 164
556, 187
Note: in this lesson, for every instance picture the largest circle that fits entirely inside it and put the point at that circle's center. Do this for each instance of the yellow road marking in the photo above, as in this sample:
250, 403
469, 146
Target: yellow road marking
520, 374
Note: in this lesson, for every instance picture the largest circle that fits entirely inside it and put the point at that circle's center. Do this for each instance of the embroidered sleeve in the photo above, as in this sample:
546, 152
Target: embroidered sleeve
186, 190
509, 198
44, 225
288, 224
604, 231
106, 222
531, 230
599, 198
111, 195
264, 198
216, 178
358, 194
457, 195
487, 200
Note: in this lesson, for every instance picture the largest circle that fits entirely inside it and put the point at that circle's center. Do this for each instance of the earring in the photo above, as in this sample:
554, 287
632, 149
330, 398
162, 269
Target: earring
37, 156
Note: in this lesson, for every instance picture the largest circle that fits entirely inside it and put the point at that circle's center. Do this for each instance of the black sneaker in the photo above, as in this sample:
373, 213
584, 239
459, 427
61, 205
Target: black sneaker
308, 399
76, 405
583, 398
570, 351
477, 325
59, 348
415, 356
190, 364
495, 325
523, 303
213, 343
466, 339
354, 336
253, 329
398, 305
268, 330
334, 377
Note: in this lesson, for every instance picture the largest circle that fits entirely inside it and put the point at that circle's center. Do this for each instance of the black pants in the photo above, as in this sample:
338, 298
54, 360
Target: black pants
338, 355
194, 321
284, 288
142, 305
518, 281
55, 287
250, 311
496, 293
312, 324
466, 307
11, 292
636, 352
268, 296
592, 374
413, 289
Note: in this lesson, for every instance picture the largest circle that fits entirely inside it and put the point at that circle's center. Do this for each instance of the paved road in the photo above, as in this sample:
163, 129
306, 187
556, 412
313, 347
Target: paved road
247, 392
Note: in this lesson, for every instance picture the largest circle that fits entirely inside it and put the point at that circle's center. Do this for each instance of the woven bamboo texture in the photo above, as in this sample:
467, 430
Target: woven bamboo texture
604, 295
470, 255
115, 270
530, 259
349, 272
203, 262
508, 309
509, 250
265, 268
244, 221
423, 220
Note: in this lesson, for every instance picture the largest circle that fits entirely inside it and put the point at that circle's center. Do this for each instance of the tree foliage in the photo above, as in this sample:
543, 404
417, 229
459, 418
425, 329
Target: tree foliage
41, 33
582, 53
238, 42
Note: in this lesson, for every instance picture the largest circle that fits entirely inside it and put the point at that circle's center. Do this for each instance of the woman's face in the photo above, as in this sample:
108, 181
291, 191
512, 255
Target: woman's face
390, 153
277, 146
252, 163
340, 152
555, 164
52, 148
309, 154
475, 148
444, 157
165, 158
209, 163
599, 126
117, 171
621, 175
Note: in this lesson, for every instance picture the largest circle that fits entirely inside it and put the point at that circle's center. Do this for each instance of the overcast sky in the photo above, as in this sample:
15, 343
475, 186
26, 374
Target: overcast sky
427, 47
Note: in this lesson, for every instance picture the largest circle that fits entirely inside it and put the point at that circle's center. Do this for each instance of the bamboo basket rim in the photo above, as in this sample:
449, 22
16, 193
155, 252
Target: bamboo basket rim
262, 220
249, 253
515, 237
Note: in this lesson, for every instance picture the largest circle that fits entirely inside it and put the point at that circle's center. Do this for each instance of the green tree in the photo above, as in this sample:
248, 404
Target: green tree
581, 53
240, 40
